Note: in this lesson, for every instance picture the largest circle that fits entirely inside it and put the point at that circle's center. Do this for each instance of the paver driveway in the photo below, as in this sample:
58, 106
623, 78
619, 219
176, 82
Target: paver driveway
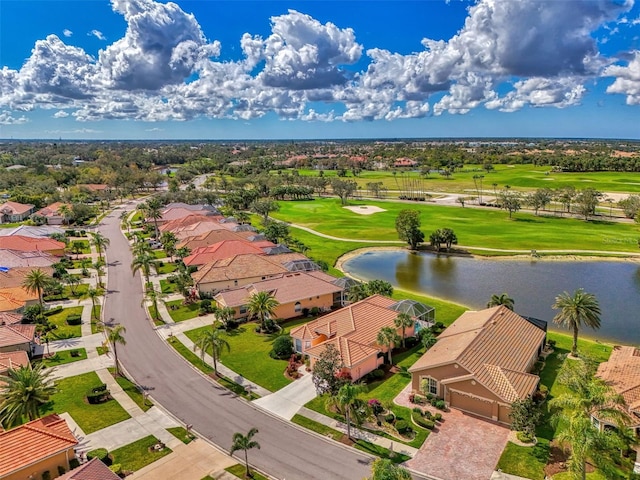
462, 447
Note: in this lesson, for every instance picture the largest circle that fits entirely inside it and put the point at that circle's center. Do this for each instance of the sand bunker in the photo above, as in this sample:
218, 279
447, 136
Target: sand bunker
365, 209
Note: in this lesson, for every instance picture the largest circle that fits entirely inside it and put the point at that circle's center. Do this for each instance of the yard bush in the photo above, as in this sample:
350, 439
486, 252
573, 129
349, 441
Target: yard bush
375, 406
524, 437
378, 373
101, 454
417, 410
74, 319
74, 353
282, 347
46, 475
421, 421
403, 427
98, 394
51, 311
437, 417
389, 418
74, 463
116, 468
61, 470
440, 405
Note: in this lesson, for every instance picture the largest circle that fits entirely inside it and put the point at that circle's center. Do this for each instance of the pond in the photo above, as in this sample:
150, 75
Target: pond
533, 284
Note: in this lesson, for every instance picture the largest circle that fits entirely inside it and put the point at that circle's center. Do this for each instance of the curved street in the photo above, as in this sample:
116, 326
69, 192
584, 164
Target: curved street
286, 450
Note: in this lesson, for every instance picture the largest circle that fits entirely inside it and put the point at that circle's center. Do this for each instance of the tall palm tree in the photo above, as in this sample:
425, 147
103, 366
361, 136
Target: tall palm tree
388, 337
141, 246
94, 295
99, 272
169, 241
85, 263
25, 390
348, 402
73, 281
405, 321
153, 211
245, 442
212, 339
153, 296
115, 337
66, 213
579, 309
144, 262
101, 243
183, 252
35, 282
357, 292
502, 299
224, 314
262, 305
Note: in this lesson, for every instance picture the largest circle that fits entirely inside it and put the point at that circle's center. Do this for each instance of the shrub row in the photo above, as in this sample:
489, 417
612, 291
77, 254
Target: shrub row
422, 421
74, 319
101, 454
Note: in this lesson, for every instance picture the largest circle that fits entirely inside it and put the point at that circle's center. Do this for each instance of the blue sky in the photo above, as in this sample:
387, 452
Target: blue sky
143, 69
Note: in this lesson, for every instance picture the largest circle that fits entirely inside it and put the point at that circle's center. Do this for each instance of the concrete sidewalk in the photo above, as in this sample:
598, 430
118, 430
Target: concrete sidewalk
89, 343
83, 366
287, 401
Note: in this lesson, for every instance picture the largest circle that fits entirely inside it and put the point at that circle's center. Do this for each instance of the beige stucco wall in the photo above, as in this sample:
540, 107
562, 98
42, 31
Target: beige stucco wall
287, 310
368, 365
51, 464
26, 346
222, 285
439, 373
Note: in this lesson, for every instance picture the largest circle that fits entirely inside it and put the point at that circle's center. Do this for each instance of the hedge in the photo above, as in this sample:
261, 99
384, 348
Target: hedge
101, 454
74, 319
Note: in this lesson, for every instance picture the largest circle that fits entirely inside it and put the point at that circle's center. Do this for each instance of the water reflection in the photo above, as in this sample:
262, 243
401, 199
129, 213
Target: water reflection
533, 284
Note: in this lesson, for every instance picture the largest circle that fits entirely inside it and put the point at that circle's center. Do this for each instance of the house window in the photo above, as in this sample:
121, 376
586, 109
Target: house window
297, 307
298, 345
307, 344
235, 283
243, 309
432, 386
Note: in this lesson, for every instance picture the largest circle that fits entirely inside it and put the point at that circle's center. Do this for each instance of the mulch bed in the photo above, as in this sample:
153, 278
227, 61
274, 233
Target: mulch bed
558, 461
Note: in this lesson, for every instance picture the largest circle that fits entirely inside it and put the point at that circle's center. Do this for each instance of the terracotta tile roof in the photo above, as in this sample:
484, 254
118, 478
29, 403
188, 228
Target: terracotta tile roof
9, 318
14, 298
237, 268
286, 288
15, 208
495, 345
221, 250
94, 469
213, 236
350, 351
29, 443
30, 244
358, 323
190, 219
283, 258
51, 210
176, 213
13, 360
14, 259
15, 276
622, 372
16, 334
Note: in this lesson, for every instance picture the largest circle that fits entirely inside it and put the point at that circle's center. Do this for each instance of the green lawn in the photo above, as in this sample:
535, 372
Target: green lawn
168, 287
132, 390
95, 318
67, 293
524, 232
60, 321
182, 312
167, 268
240, 470
64, 356
71, 398
136, 455
181, 434
249, 355
159, 254
86, 246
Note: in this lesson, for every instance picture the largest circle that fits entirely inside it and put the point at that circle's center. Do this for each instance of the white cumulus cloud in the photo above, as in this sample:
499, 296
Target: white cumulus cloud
98, 34
67, 33
627, 80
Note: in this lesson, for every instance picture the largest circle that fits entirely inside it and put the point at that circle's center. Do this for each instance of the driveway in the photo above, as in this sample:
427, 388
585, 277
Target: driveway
288, 400
461, 447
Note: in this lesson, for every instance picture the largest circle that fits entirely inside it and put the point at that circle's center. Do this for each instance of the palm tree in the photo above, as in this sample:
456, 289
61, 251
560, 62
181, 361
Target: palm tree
183, 252
25, 390
141, 246
101, 243
357, 292
212, 339
36, 281
428, 339
224, 314
347, 401
99, 272
502, 299
244, 442
153, 210
169, 241
85, 263
66, 213
262, 305
579, 309
73, 281
154, 295
115, 337
144, 262
405, 321
388, 337
94, 295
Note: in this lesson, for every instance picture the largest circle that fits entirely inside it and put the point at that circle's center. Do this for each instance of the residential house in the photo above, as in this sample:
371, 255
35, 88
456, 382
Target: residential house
52, 215
16, 259
30, 450
176, 213
94, 469
201, 225
40, 231
353, 331
14, 277
295, 293
481, 362
13, 361
17, 337
30, 244
225, 249
214, 236
622, 373
10, 318
179, 223
11, 212
405, 162
14, 299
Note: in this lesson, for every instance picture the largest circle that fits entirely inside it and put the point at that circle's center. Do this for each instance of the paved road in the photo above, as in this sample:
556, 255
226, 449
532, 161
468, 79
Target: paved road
287, 452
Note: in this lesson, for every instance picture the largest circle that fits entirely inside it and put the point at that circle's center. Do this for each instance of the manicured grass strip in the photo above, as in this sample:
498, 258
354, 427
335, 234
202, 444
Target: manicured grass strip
167, 268
167, 287
133, 391
181, 434
64, 356
95, 318
249, 355
182, 312
363, 445
526, 462
71, 398
239, 471
137, 455
102, 350
60, 321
